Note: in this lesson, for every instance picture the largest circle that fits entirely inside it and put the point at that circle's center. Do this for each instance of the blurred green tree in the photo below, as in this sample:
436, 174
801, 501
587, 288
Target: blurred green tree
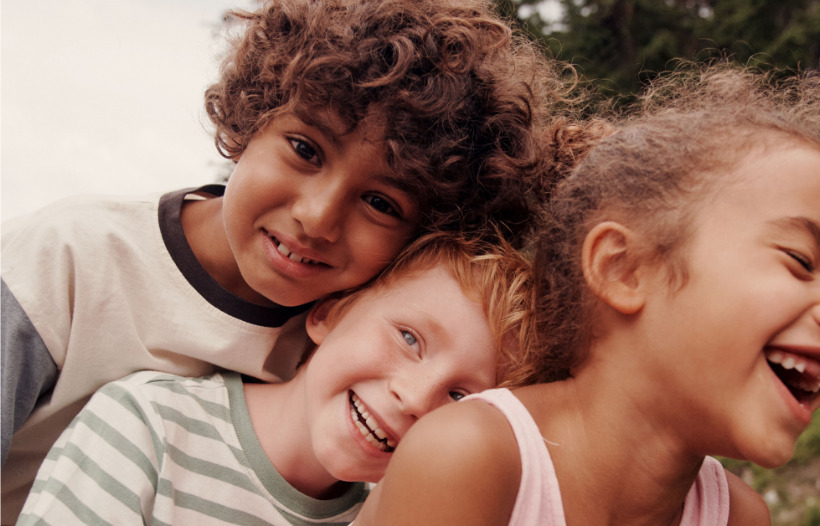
620, 43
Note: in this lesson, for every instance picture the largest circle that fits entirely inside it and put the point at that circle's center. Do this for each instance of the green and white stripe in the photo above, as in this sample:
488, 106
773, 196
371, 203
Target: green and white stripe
161, 449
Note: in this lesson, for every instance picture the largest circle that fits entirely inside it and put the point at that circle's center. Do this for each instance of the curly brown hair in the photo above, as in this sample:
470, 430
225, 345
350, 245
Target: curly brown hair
692, 126
462, 99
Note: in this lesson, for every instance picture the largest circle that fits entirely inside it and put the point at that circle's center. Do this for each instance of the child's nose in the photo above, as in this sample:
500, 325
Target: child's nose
320, 210
416, 396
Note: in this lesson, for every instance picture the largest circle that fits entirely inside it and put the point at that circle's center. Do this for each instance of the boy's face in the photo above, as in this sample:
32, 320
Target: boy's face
394, 355
742, 335
310, 211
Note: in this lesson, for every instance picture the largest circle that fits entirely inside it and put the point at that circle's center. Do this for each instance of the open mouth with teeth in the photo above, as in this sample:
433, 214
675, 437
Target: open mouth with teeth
368, 426
288, 253
800, 374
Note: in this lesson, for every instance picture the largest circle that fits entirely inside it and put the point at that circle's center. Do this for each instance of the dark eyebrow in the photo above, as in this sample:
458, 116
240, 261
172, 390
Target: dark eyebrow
317, 122
396, 182
801, 223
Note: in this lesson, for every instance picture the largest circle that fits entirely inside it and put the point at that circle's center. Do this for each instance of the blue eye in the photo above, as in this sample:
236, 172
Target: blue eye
409, 338
455, 395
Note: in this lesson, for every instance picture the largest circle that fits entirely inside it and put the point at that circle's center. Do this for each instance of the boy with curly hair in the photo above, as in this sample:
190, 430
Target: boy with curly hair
355, 126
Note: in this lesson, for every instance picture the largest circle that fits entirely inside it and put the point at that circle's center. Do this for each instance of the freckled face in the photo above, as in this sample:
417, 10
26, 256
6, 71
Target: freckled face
308, 211
752, 297
396, 354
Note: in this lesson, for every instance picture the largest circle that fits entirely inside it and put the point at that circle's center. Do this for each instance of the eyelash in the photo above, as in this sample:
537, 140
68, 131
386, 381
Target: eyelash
804, 262
304, 150
391, 210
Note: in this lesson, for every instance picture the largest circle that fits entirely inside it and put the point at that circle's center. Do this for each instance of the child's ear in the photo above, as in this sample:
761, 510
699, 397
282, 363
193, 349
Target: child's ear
611, 265
317, 323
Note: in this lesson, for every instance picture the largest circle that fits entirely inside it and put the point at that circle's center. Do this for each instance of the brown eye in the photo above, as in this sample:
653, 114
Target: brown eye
381, 205
304, 150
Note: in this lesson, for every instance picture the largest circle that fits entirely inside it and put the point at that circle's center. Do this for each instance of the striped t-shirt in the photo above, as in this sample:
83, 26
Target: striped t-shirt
162, 449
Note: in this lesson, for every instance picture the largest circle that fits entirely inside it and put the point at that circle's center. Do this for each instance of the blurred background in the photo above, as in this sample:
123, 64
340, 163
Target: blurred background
621, 43
106, 97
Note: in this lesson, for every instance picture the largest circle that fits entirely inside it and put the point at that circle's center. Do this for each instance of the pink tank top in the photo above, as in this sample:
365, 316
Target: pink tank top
539, 498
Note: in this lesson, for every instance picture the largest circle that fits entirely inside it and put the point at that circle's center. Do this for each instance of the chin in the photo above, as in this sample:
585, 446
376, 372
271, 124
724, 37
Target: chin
773, 453
775, 461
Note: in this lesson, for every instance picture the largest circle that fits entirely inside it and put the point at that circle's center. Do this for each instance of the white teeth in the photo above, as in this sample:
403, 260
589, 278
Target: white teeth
359, 425
788, 363
370, 429
288, 253
365, 431
373, 440
800, 365
371, 423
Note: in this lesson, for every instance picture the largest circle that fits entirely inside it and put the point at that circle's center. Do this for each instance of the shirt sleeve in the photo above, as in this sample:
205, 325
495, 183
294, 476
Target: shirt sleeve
104, 467
28, 371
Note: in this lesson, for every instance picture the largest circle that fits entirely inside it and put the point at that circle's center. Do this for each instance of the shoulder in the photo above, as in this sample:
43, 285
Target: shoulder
76, 220
473, 413
149, 388
458, 464
84, 207
153, 406
472, 431
746, 507
174, 385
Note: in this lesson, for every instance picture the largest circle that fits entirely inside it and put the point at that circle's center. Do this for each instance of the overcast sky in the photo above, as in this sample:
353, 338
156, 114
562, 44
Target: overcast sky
105, 96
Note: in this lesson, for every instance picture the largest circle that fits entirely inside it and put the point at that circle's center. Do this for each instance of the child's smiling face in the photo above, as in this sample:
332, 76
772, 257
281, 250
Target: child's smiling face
741, 337
392, 356
309, 210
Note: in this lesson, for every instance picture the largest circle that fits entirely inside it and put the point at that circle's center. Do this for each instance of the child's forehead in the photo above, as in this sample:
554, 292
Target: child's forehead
426, 273
740, 160
413, 275
770, 183
761, 147
433, 278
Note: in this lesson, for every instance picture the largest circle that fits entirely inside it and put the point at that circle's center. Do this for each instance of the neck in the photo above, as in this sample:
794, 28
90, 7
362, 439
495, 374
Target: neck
611, 452
279, 421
